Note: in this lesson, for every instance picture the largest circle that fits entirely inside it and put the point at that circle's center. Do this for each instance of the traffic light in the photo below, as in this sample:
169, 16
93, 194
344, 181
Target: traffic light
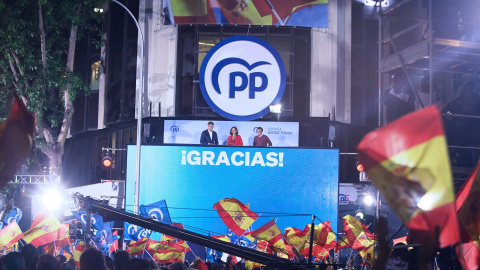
360, 167
362, 174
107, 159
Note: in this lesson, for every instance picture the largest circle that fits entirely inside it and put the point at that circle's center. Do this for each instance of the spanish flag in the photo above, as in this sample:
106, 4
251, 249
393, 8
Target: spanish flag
137, 248
224, 238
468, 207
79, 249
295, 236
16, 140
169, 256
343, 243
10, 235
368, 255
271, 233
45, 228
155, 246
324, 235
408, 162
357, 234
235, 215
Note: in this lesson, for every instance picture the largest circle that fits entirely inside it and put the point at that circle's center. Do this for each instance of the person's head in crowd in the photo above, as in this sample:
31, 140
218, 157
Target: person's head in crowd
61, 258
178, 266
48, 262
153, 264
210, 126
137, 264
30, 255
13, 261
109, 262
69, 265
119, 259
92, 259
259, 131
234, 130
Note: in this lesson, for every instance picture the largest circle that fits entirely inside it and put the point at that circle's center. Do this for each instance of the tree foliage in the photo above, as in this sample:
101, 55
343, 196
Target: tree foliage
37, 48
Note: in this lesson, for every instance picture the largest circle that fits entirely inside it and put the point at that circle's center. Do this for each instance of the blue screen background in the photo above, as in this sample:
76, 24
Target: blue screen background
306, 184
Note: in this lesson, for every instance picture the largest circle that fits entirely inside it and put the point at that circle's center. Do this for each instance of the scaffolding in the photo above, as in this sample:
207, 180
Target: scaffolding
426, 41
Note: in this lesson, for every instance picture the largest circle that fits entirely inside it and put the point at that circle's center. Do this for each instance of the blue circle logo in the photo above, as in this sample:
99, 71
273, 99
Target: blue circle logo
241, 77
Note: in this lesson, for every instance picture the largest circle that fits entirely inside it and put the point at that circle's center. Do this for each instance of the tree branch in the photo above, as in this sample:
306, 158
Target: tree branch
42, 47
67, 115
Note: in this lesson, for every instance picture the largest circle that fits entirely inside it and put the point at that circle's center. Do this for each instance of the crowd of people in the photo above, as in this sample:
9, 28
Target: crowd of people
93, 259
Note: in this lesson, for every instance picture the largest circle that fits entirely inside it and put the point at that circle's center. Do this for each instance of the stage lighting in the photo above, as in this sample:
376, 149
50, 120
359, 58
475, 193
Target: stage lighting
107, 159
383, 3
52, 199
368, 200
277, 108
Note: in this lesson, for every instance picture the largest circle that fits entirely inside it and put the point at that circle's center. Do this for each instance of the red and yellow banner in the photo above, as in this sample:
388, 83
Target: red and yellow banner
408, 162
45, 228
235, 215
468, 208
10, 235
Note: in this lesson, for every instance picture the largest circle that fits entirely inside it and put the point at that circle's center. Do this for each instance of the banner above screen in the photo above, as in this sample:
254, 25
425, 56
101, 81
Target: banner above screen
284, 134
308, 13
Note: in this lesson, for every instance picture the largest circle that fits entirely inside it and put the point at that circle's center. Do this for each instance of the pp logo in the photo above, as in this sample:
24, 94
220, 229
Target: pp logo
175, 129
241, 77
155, 214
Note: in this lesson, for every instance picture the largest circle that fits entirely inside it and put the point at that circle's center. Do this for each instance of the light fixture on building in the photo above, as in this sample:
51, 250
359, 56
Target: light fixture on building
382, 3
276, 108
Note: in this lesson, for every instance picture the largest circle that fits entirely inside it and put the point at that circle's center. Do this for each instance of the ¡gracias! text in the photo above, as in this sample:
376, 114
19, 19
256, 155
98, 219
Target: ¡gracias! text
237, 158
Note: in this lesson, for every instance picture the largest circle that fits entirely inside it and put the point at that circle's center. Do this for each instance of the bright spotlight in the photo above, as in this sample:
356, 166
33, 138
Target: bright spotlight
52, 199
368, 200
277, 108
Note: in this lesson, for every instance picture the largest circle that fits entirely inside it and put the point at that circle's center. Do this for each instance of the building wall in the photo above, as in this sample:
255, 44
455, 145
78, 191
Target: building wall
330, 72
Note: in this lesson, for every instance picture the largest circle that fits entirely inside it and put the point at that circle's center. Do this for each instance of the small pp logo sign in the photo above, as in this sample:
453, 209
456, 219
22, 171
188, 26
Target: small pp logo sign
174, 129
241, 77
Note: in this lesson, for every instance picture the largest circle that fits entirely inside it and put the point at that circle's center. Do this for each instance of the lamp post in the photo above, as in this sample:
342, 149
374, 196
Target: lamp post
139, 113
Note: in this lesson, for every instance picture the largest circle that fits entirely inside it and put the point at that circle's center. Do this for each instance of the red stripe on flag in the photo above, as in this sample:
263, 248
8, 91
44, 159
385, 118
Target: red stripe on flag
444, 216
404, 132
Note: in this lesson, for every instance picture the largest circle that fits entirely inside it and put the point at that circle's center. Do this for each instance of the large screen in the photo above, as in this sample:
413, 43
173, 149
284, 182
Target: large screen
282, 134
284, 184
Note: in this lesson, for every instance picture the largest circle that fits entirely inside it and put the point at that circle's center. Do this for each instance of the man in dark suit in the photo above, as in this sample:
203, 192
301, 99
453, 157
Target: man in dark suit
209, 137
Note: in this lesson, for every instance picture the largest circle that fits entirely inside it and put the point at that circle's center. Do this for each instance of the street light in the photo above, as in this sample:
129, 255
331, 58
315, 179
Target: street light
139, 113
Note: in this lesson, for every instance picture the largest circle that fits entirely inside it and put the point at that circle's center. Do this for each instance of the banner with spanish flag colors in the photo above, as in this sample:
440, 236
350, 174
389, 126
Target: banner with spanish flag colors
324, 235
45, 228
79, 249
254, 12
357, 234
468, 207
169, 256
16, 140
408, 162
138, 247
295, 236
235, 215
10, 235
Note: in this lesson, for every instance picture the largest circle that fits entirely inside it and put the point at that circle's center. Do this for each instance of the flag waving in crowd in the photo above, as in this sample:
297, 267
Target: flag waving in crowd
408, 162
45, 228
10, 235
468, 208
235, 215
